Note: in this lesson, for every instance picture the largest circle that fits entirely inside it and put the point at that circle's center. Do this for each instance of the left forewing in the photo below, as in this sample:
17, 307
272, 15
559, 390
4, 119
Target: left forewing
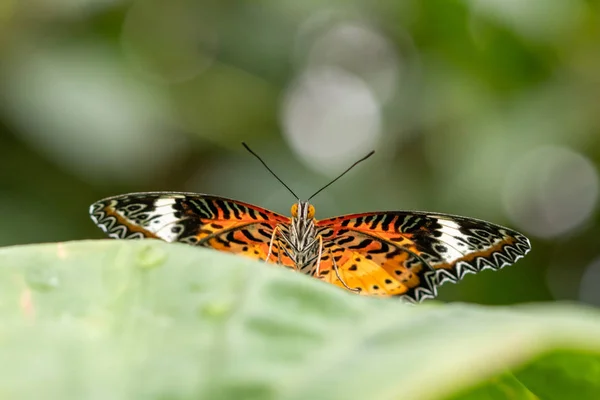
196, 219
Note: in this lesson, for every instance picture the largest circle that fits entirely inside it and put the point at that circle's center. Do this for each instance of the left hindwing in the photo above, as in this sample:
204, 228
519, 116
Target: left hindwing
195, 219
410, 253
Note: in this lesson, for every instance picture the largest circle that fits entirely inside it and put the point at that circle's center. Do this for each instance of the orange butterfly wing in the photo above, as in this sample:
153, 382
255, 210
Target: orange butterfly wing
202, 220
383, 253
411, 253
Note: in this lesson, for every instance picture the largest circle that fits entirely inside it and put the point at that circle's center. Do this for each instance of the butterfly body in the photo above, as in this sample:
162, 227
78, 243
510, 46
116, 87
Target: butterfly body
397, 253
298, 238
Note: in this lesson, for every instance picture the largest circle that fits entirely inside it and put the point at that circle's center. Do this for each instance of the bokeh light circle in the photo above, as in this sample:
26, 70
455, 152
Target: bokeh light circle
360, 50
80, 108
330, 118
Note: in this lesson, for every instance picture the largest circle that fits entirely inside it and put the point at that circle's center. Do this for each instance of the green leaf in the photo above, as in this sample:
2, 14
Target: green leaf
146, 319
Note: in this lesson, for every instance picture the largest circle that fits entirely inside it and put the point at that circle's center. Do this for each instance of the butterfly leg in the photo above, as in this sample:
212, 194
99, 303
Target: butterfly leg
320, 254
337, 273
271, 244
278, 252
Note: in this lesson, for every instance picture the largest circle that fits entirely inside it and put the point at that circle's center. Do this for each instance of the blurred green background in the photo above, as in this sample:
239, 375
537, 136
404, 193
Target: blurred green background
484, 108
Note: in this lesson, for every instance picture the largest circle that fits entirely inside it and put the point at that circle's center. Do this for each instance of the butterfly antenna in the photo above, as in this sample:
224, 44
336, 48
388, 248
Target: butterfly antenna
269, 169
342, 174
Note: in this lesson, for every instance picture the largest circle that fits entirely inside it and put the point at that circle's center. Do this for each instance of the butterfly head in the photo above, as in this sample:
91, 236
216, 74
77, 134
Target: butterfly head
303, 210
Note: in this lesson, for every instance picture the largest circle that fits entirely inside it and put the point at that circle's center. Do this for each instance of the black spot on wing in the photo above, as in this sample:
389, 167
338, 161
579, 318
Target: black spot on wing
363, 244
214, 212
358, 221
249, 235
375, 220
224, 207
225, 243
265, 233
397, 224
385, 223
385, 248
230, 236
251, 212
236, 211
345, 240
197, 207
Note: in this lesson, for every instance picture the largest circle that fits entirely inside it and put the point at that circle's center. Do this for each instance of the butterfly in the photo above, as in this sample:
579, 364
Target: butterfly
397, 253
